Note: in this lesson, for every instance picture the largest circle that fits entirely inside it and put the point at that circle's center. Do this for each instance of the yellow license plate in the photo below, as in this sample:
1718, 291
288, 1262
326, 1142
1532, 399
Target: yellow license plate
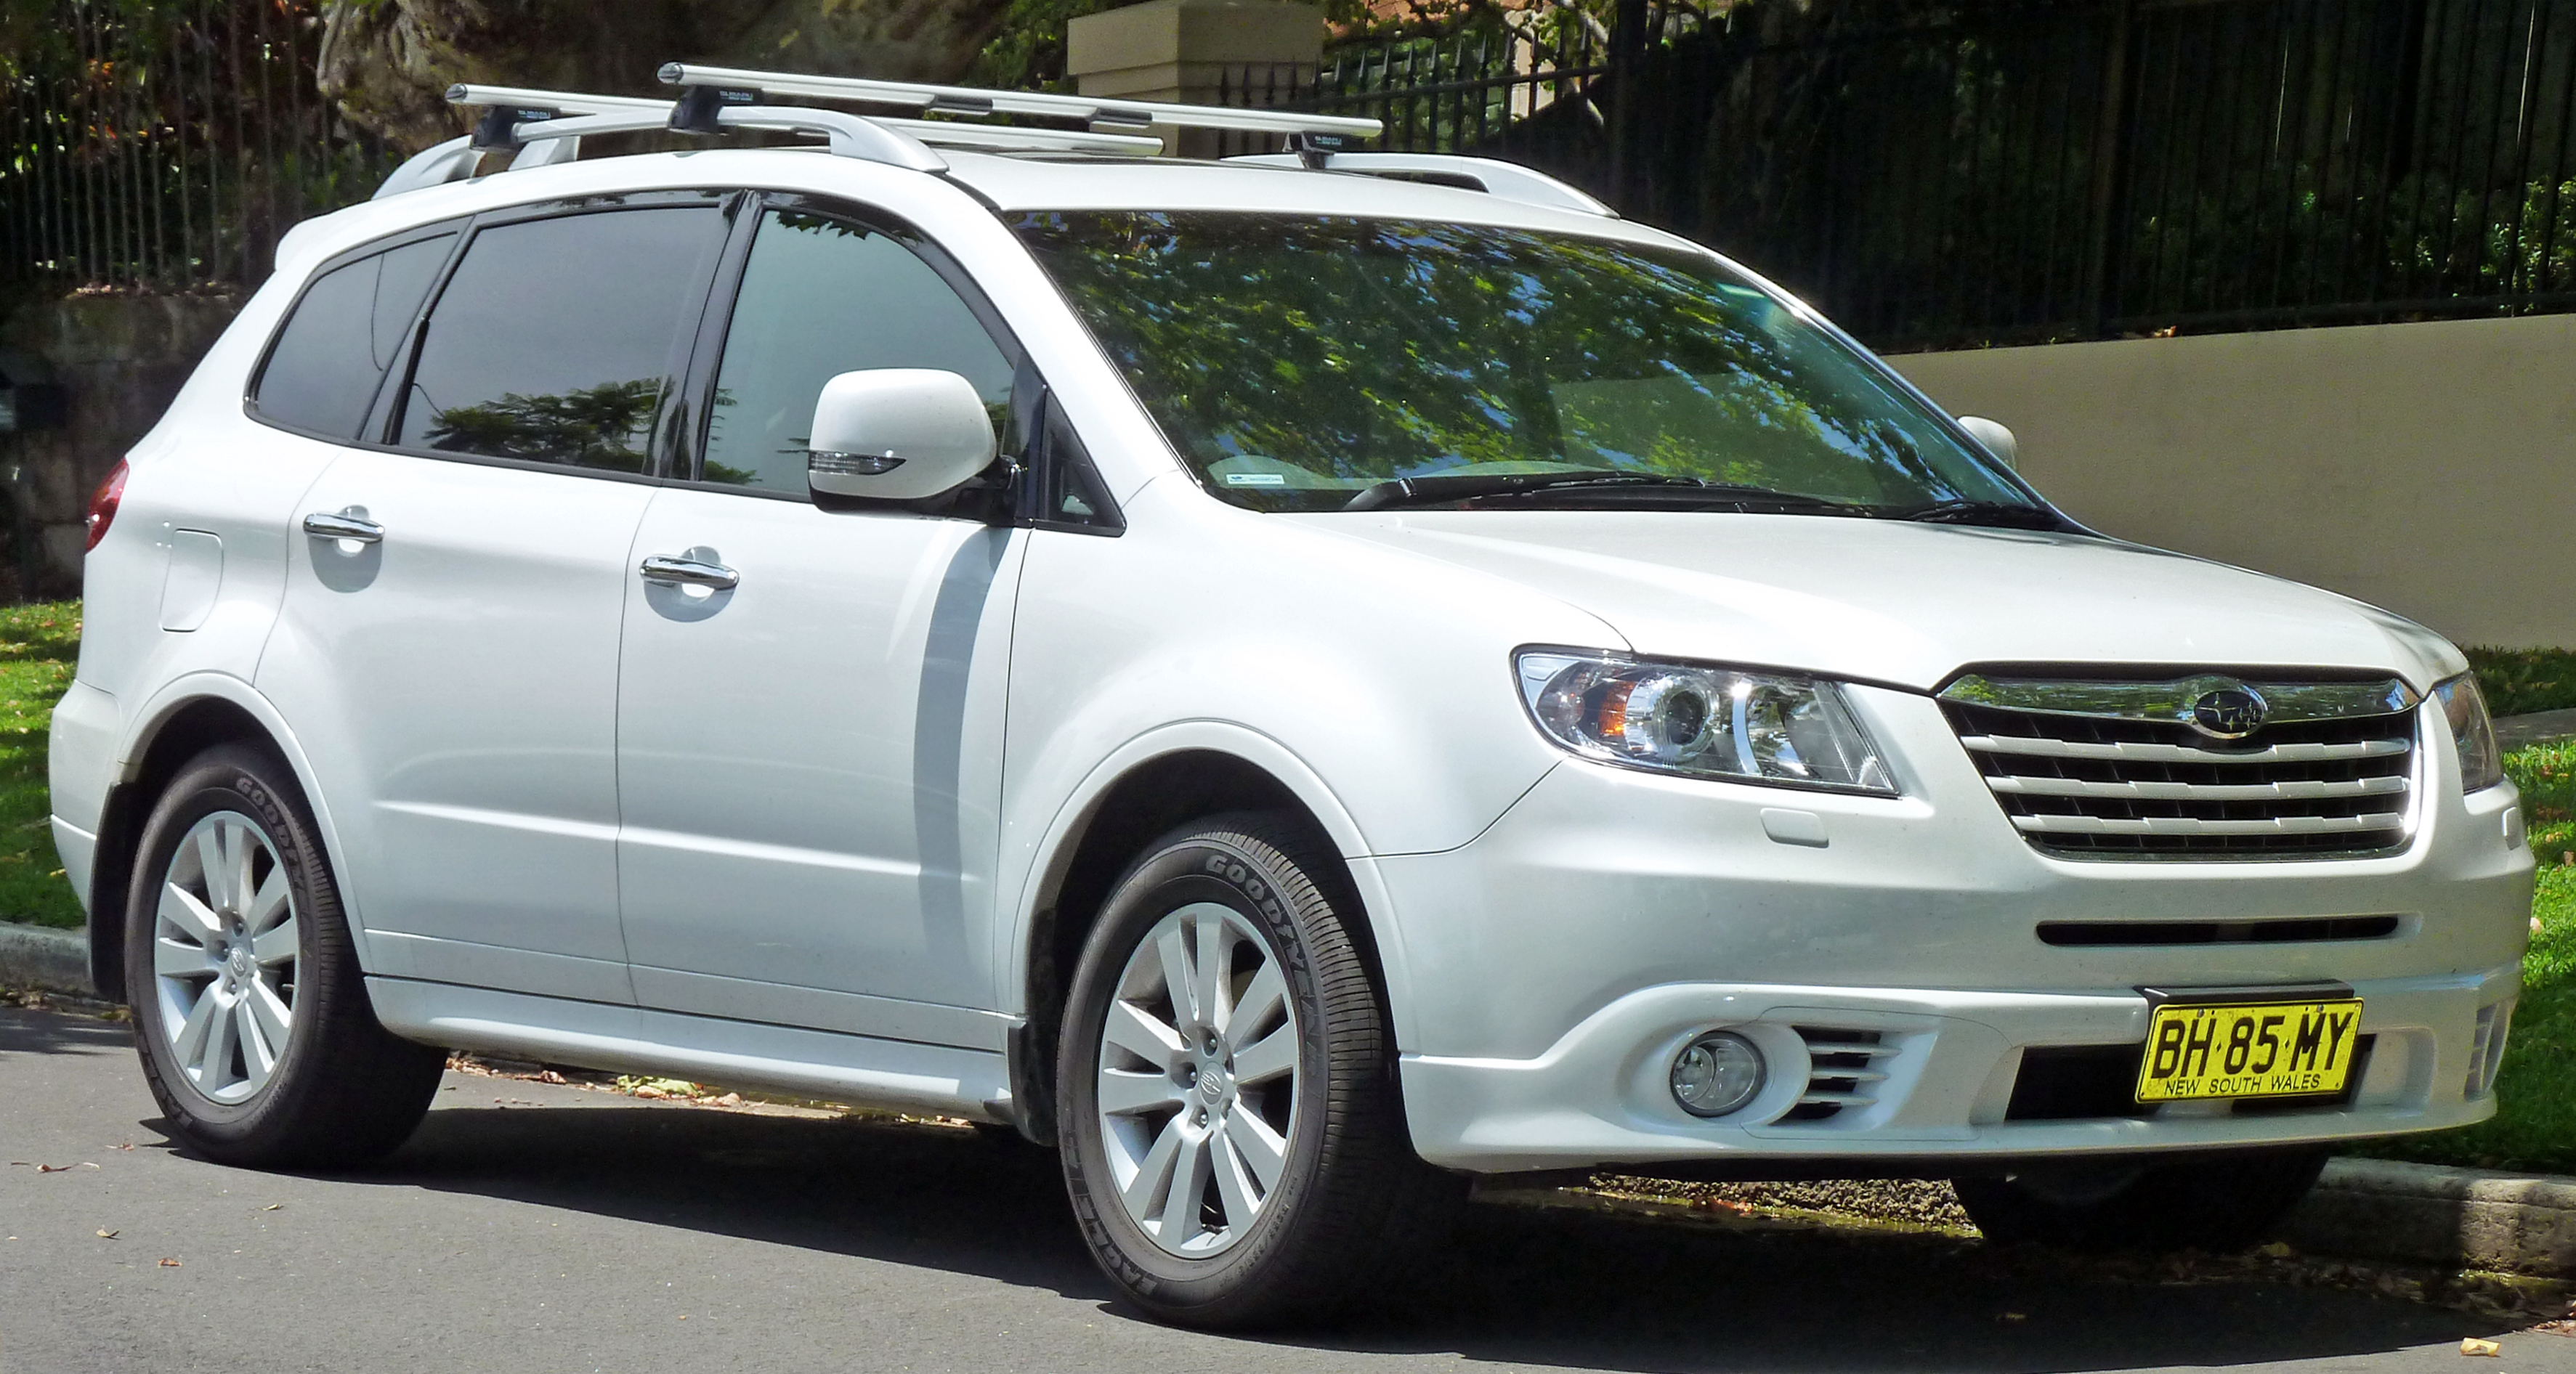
2248, 1049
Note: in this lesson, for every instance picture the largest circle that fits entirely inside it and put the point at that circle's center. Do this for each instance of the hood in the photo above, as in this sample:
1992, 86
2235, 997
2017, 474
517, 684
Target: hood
1908, 604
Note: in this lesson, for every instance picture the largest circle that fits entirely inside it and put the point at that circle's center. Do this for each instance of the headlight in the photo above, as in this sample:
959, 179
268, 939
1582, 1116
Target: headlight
1701, 722
2481, 766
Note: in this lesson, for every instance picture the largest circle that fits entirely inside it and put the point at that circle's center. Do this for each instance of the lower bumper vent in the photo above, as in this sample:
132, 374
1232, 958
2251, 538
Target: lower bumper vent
1845, 1068
2297, 930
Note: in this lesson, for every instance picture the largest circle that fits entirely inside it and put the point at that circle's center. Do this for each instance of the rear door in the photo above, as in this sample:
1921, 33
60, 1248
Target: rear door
448, 649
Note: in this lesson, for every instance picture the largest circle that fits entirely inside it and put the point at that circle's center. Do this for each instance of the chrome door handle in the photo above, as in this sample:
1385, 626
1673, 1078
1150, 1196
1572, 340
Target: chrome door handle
689, 572
351, 524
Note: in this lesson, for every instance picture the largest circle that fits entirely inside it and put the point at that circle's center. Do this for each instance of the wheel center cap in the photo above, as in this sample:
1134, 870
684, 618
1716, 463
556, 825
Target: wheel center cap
239, 962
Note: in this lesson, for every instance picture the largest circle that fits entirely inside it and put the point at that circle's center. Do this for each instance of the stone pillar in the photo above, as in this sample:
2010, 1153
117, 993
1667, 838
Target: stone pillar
1199, 52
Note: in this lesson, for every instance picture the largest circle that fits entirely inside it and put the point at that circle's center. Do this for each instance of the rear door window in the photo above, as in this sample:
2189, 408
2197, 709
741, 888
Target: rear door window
556, 340
329, 357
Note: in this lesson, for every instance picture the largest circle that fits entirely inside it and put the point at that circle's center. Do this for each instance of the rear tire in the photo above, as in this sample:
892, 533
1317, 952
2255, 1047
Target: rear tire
1250, 1164
250, 1011
2213, 1202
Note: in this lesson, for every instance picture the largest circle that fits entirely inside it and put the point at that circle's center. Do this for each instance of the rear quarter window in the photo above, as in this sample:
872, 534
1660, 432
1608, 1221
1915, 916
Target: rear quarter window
328, 358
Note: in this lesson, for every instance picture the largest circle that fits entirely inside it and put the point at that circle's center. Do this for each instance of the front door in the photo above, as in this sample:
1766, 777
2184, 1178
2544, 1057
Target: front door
447, 649
809, 716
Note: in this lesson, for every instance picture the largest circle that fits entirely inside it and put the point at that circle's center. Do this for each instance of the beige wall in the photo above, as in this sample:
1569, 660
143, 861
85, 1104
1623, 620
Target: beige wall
2427, 468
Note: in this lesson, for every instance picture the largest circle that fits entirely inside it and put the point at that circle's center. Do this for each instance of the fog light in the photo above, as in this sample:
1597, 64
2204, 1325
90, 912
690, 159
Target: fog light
1716, 1074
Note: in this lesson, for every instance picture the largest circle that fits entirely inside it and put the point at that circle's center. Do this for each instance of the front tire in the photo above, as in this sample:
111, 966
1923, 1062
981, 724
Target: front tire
1234, 1140
250, 1011
2221, 1202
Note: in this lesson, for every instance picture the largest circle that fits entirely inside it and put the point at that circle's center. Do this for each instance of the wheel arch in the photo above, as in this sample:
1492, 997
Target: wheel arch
189, 716
1146, 790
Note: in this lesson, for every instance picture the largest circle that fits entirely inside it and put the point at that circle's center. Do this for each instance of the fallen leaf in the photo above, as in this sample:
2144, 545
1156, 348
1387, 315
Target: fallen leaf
641, 1092
2012, 1316
87, 1165
2471, 1345
2277, 1250
272, 1206
169, 1263
684, 1316
53, 1168
105, 1234
728, 1100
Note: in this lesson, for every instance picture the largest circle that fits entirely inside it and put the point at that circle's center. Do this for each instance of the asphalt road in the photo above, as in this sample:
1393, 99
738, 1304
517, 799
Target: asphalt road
534, 1228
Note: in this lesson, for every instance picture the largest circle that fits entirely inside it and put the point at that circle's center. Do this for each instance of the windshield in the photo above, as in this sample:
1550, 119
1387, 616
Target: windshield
1295, 362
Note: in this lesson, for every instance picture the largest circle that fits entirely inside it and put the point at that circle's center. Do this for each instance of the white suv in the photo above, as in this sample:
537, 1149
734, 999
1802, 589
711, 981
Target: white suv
1299, 681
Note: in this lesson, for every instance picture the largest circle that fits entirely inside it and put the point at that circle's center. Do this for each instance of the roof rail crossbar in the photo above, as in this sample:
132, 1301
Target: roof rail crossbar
849, 134
1510, 180
972, 101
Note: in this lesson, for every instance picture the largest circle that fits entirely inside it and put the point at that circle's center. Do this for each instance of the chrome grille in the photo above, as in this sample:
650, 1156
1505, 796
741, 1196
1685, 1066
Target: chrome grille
2120, 770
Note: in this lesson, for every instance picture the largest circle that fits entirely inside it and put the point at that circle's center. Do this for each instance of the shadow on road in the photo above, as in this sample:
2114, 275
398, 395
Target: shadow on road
41, 1032
1554, 1289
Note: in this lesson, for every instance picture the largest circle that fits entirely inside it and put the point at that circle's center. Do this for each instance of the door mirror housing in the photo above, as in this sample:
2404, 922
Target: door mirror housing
897, 434
1996, 439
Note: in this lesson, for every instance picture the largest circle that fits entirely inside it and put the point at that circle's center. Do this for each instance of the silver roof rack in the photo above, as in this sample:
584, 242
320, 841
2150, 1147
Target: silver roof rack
979, 102
545, 127
1510, 180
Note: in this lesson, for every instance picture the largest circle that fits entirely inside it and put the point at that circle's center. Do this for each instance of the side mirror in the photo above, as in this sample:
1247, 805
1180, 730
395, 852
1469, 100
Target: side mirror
1997, 439
897, 434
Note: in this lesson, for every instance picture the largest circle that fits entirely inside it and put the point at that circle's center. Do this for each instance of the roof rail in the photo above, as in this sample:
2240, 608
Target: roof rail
1510, 180
978, 102
546, 127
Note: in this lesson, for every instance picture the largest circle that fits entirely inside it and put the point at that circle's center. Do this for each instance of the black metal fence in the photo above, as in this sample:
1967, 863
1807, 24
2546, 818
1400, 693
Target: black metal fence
167, 146
2061, 171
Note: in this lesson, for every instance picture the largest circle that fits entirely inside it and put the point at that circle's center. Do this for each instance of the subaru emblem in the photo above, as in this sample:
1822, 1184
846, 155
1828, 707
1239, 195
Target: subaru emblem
2229, 712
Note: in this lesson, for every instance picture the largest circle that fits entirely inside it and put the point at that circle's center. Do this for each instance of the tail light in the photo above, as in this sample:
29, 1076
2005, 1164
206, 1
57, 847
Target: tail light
103, 503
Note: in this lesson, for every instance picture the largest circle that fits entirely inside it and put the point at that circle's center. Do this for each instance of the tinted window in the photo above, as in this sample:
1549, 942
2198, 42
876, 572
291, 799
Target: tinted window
553, 339
821, 297
335, 346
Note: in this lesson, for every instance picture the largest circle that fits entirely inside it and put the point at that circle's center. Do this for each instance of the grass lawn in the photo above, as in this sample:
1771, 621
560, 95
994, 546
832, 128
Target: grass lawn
37, 646
2535, 1122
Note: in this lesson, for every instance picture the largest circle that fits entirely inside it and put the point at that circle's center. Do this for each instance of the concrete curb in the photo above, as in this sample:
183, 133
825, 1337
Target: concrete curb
2431, 1213
40, 957
2513, 732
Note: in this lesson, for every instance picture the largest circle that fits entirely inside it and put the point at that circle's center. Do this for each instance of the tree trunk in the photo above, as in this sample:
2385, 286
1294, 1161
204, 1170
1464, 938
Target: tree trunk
388, 63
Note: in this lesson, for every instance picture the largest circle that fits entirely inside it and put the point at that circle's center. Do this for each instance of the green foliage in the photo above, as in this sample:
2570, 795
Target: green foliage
2519, 681
38, 645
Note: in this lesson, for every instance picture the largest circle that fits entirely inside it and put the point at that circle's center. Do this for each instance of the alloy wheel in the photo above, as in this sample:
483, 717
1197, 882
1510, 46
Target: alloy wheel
224, 951
1197, 1080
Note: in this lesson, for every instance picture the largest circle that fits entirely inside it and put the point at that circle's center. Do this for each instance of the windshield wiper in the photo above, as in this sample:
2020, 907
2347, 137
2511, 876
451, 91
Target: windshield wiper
2011, 514
1439, 490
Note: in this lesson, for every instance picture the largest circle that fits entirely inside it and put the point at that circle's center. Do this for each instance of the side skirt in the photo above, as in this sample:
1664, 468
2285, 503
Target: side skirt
860, 1070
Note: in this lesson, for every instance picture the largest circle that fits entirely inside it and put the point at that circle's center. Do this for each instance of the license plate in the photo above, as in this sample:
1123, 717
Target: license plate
2248, 1049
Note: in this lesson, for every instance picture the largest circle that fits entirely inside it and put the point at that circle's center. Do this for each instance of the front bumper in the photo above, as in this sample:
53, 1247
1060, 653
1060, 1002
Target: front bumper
1599, 1096
1555, 965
